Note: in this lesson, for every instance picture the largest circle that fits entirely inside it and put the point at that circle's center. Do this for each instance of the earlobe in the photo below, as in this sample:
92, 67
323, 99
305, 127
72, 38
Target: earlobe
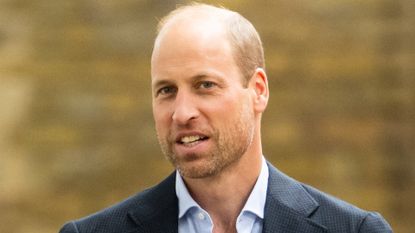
260, 82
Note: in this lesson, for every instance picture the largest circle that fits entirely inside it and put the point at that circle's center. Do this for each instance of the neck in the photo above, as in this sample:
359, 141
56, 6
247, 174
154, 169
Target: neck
224, 195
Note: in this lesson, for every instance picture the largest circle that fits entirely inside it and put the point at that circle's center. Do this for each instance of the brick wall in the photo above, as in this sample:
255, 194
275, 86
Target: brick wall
75, 109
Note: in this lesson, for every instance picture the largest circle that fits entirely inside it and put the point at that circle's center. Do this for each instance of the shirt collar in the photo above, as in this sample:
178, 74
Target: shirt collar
186, 201
256, 200
255, 203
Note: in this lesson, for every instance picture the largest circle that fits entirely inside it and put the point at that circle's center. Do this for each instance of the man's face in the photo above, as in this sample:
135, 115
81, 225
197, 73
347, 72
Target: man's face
203, 114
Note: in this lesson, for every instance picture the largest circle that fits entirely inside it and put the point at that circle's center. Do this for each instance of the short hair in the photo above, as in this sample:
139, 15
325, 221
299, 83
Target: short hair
245, 41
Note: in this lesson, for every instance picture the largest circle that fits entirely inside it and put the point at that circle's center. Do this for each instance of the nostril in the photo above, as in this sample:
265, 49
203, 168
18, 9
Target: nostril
183, 115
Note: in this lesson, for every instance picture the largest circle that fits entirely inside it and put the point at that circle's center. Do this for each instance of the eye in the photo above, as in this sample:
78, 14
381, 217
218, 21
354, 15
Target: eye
168, 90
206, 84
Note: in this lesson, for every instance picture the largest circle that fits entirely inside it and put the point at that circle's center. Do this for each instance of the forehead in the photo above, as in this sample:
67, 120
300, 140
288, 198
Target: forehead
187, 34
201, 20
191, 45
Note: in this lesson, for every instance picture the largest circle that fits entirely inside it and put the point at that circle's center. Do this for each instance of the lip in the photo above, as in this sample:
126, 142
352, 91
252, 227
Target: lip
195, 148
179, 136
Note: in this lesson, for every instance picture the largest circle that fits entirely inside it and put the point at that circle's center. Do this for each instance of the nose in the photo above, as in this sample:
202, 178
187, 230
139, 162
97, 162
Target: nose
185, 109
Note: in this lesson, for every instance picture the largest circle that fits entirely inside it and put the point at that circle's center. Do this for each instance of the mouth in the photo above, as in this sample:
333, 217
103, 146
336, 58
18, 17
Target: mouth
191, 140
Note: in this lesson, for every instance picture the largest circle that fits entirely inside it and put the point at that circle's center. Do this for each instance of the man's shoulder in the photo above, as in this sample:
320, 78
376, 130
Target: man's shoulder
329, 205
339, 214
122, 216
322, 208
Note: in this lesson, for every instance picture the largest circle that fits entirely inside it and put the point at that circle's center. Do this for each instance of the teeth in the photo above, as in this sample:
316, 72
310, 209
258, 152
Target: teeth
190, 139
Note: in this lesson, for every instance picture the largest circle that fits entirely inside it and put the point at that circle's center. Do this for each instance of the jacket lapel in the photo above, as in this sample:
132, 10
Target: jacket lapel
157, 210
288, 206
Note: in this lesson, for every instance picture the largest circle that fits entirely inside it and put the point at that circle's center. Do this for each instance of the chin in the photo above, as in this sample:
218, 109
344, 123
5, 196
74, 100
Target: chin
196, 171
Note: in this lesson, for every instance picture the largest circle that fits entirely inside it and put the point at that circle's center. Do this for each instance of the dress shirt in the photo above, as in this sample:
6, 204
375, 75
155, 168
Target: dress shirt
194, 219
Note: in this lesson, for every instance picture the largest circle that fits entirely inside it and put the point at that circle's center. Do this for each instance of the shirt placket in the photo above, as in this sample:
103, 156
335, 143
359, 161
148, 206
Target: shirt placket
203, 221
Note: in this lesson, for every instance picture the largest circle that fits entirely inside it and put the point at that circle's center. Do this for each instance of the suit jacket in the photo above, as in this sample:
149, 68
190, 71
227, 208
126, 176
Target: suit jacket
291, 207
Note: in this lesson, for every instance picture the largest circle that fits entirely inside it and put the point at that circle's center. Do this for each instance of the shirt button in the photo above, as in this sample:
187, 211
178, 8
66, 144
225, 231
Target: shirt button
201, 216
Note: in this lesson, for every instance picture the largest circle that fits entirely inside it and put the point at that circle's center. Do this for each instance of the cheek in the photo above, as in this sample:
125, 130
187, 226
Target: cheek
160, 113
161, 120
220, 108
233, 106
224, 113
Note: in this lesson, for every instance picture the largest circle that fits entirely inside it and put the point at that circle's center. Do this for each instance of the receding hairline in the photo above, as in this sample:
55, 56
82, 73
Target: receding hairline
240, 33
183, 11
201, 12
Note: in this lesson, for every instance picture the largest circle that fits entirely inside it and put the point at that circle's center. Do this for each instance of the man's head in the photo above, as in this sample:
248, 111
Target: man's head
208, 91
245, 42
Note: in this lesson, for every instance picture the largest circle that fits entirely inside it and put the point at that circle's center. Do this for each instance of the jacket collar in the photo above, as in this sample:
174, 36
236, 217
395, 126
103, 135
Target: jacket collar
287, 209
288, 206
157, 209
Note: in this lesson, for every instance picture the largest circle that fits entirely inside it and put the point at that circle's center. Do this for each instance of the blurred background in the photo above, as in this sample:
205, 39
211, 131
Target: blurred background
76, 127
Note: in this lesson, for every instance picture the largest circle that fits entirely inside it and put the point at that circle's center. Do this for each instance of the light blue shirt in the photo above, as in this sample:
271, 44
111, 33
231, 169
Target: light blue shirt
194, 219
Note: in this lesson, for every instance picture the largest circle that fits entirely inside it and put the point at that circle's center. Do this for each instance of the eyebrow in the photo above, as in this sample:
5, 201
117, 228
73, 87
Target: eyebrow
199, 77
192, 79
160, 83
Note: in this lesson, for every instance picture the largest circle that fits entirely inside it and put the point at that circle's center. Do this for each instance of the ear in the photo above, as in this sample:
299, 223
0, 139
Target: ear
259, 83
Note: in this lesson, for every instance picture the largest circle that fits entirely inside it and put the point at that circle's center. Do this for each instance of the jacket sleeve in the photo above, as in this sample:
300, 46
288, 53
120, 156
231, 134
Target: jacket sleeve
69, 227
374, 223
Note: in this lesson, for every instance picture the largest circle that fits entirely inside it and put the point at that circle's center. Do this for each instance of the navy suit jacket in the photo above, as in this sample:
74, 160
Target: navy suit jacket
291, 207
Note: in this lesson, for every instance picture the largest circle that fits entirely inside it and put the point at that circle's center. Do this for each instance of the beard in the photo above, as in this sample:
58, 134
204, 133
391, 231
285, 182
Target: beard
229, 145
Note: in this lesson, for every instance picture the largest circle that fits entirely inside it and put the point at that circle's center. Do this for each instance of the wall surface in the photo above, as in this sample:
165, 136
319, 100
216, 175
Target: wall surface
76, 127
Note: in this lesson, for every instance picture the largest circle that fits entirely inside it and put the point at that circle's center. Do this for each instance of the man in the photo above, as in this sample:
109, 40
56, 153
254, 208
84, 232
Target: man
209, 92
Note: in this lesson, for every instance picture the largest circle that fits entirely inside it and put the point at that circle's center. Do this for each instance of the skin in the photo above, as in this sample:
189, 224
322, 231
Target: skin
198, 91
